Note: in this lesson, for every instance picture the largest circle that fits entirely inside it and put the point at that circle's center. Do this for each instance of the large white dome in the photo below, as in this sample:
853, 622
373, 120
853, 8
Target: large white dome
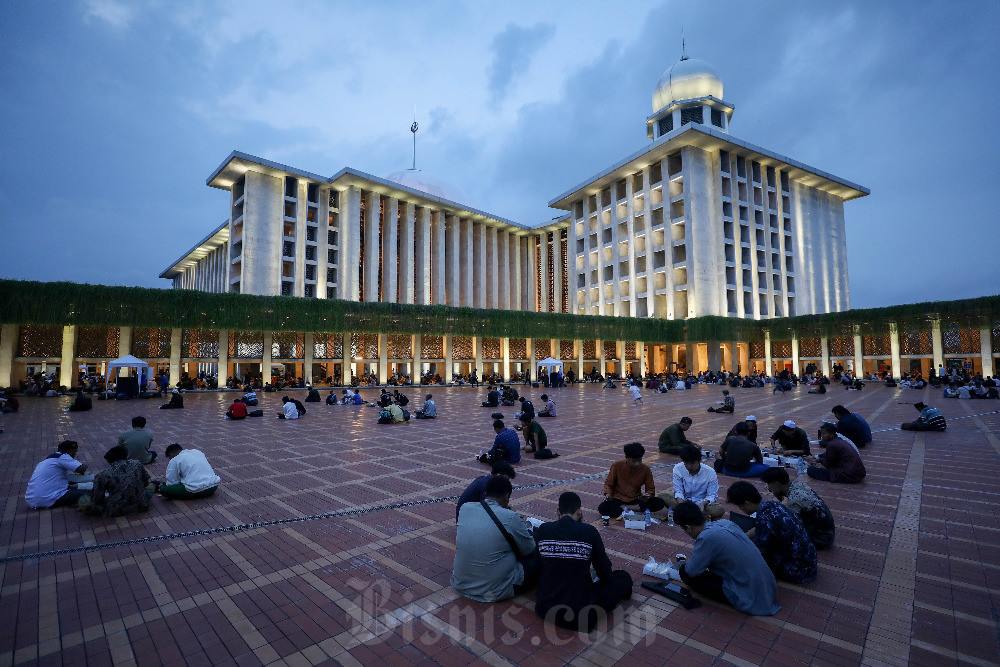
688, 78
424, 182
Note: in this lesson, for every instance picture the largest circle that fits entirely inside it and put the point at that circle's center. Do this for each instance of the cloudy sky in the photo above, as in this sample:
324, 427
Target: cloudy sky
112, 115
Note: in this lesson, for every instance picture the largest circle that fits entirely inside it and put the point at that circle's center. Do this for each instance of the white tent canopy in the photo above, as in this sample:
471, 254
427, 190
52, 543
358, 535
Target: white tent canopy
549, 363
128, 361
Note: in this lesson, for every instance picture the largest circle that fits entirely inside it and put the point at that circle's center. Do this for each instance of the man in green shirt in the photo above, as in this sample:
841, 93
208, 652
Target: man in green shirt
673, 439
535, 440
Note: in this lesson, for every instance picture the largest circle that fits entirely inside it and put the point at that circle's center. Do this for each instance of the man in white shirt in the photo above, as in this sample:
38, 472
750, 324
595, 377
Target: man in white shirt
50, 484
695, 482
636, 395
288, 409
189, 474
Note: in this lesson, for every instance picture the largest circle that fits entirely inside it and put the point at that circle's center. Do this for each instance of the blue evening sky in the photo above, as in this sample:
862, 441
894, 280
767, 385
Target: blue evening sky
112, 114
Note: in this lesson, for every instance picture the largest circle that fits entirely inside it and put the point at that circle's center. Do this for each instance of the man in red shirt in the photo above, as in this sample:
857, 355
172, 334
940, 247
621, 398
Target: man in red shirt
238, 410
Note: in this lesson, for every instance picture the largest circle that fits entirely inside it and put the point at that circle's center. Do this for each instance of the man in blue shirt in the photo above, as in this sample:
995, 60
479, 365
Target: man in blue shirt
506, 446
476, 491
852, 425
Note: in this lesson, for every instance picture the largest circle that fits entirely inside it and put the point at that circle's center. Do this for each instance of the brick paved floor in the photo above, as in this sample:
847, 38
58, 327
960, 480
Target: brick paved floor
914, 576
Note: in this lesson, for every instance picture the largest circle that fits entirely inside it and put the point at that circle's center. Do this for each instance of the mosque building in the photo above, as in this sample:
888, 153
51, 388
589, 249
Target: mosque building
696, 223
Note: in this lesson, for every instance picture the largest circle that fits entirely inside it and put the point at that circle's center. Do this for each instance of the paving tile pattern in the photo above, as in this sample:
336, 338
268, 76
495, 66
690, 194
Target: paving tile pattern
913, 578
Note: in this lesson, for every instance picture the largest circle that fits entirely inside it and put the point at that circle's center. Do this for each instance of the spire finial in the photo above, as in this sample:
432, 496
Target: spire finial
413, 129
683, 45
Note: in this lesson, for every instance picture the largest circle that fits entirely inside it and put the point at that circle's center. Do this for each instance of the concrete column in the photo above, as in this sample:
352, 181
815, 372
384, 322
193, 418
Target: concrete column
422, 258
556, 271
223, 374
347, 361
452, 258
530, 271
479, 264
349, 268
477, 355
66, 371
516, 276
503, 250
438, 259
390, 259
265, 357
492, 282
530, 342
795, 355
859, 351
986, 350
468, 276
713, 357
307, 357
415, 371
372, 238
824, 346
505, 358
640, 351
768, 363
176, 343
937, 344
8, 338
579, 358
448, 363
897, 363
383, 358
124, 343
602, 368
730, 356
405, 271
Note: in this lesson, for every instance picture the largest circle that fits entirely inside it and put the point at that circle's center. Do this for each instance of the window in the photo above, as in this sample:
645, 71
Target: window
333, 199
666, 124
311, 252
331, 276
289, 249
331, 256
310, 234
291, 187
312, 193
310, 290
716, 117
331, 237
692, 115
310, 272
724, 161
286, 289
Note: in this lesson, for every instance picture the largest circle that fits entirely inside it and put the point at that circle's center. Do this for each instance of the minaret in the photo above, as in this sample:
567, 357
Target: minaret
688, 92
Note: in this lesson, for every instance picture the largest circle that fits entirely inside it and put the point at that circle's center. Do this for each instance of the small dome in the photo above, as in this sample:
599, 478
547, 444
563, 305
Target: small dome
419, 180
686, 79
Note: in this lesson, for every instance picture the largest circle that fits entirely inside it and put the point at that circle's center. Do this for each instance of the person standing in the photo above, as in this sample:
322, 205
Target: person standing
567, 594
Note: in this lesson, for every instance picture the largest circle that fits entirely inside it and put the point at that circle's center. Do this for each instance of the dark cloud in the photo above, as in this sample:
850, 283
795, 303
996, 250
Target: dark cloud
513, 49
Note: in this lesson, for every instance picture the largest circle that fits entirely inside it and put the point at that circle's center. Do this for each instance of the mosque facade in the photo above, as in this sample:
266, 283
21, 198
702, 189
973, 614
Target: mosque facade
696, 223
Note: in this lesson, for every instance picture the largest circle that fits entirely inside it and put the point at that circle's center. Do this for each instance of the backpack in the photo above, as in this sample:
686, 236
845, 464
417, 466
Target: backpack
384, 417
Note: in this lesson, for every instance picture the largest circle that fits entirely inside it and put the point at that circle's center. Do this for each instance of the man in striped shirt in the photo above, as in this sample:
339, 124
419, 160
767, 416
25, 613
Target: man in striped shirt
568, 547
930, 419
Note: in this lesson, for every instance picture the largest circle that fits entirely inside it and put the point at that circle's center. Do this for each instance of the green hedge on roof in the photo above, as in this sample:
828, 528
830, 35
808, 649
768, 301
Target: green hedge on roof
65, 303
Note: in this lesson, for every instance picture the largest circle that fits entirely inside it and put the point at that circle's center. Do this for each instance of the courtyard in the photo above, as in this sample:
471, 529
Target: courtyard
331, 539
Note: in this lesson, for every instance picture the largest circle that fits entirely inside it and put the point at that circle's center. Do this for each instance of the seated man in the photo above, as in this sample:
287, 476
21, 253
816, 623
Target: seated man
509, 395
791, 440
930, 419
348, 397
840, 463
696, 483
176, 401
331, 398
487, 555
288, 409
400, 399
429, 410
673, 438
728, 403
751, 422
313, 395
527, 408
803, 503
238, 410
492, 398
50, 484
120, 489
567, 594
535, 440
780, 536
725, 565
852, 425
550, 407
189, 474
819, 388
625, 483
476, 491
250, 398
81, 403
137, 442
399, 415
506, 446
738, 457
